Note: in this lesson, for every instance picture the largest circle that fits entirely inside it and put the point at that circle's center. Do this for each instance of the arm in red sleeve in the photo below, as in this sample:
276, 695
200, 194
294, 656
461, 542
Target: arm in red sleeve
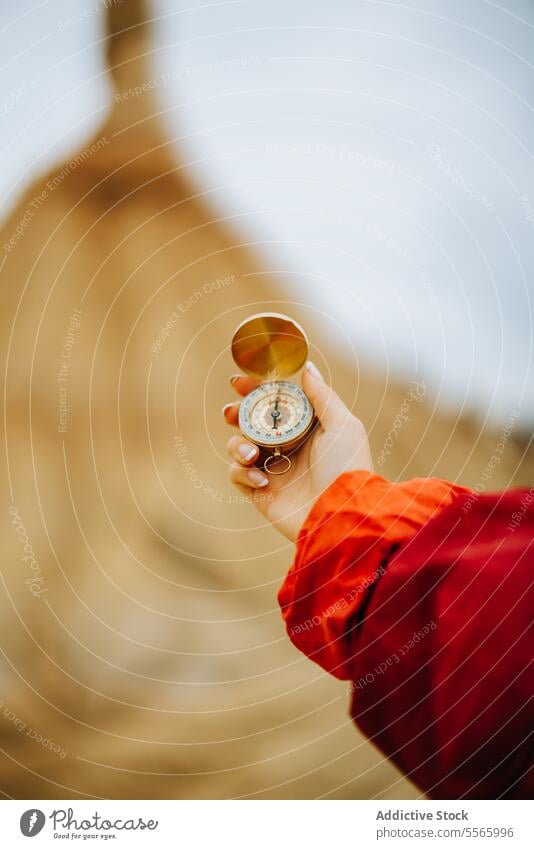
342, 549
435, 633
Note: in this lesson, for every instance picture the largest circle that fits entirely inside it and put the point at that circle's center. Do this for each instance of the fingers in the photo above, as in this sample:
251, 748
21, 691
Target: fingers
231, 413
242, 472
243, 384
242, 476
331, 411
241, 450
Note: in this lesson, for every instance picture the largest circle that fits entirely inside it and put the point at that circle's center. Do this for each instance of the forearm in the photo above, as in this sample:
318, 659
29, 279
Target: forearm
422, 603
342, 550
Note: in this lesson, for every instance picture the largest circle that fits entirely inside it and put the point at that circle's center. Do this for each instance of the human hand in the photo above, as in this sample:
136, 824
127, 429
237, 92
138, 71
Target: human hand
337, 444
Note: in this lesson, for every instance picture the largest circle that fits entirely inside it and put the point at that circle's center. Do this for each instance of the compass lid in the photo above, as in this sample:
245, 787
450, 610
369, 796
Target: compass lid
269, 345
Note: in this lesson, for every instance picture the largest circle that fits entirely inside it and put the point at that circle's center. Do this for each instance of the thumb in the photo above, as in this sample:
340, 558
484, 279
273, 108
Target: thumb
331, 411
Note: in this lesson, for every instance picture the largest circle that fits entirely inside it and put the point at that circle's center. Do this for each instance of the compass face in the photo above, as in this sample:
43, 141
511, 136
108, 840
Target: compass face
275, 414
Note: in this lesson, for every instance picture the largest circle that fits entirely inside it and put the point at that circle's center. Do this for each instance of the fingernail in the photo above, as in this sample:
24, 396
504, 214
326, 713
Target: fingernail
246, 451
234, 379
257, 478
226, 408
314, 371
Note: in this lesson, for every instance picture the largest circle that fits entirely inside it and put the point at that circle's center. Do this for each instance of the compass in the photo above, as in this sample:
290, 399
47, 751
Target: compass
277, 416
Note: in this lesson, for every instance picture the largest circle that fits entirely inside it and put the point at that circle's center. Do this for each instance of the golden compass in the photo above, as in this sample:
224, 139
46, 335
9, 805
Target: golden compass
277, 416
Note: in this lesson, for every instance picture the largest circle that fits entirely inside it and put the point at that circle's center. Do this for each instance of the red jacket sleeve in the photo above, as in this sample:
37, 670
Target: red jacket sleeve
419, 593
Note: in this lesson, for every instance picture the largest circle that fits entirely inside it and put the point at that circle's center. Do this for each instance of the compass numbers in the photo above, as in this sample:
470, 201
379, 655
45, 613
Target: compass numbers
275, 413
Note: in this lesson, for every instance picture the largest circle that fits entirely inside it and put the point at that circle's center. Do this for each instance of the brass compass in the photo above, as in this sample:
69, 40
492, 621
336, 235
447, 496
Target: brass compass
277, 416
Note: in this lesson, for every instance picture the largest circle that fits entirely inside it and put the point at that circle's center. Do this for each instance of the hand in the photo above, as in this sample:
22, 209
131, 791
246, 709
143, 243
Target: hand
338, 443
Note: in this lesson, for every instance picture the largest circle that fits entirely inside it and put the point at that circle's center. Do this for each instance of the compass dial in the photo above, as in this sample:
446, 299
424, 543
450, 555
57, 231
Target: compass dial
275, 414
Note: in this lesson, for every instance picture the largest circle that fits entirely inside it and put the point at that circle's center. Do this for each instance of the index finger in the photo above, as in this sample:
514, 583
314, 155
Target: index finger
244, 384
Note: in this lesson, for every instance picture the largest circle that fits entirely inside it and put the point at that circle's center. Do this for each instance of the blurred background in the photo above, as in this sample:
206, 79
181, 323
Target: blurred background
168, 169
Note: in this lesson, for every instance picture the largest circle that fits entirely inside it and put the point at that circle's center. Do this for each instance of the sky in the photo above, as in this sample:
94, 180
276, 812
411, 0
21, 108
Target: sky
377, 154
